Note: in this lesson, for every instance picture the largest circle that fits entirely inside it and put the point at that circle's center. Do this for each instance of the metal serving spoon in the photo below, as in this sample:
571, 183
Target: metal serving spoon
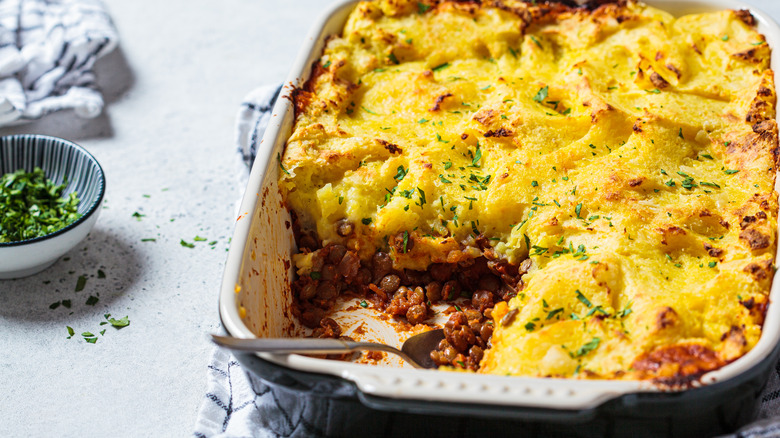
416, 350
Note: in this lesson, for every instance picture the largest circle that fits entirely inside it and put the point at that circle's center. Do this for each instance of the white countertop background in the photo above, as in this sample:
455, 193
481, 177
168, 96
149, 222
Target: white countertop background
172, 90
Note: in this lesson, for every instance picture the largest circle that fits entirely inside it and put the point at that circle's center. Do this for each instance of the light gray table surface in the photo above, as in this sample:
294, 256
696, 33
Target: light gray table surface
165, 142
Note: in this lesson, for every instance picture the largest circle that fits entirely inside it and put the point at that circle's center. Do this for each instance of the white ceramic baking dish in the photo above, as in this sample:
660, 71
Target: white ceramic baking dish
258, 274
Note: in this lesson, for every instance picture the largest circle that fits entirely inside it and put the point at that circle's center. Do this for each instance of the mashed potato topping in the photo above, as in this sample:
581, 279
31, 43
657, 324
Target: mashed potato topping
629, 154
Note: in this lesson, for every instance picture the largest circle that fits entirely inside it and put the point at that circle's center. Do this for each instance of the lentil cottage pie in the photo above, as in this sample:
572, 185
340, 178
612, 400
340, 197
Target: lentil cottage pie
592, 188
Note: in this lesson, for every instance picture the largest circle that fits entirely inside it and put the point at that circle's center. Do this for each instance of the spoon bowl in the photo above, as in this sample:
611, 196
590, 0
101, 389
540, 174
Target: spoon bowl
416, 351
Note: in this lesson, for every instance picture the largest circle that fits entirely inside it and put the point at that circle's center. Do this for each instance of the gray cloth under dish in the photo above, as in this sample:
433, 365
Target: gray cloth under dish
238, 404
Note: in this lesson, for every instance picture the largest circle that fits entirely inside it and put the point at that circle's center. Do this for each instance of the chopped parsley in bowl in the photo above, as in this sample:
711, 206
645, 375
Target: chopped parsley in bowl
50, 193
32, 205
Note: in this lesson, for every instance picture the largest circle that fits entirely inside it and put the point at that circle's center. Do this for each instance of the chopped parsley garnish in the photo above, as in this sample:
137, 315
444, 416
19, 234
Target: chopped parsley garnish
315, 275
551, 314
583, 299
477, 157
281, 166
366, 220
363, 304
533, 38
423, 120
393, 59
588, 347
92, 300
31, 206
541, 95
186, 244
405, 241
688, 183
80, 283
118, 323
730, 171
401, 173
578, 209
422, 196
709, 184
598, 309
422, 8
441, 66
534, 183
625, 312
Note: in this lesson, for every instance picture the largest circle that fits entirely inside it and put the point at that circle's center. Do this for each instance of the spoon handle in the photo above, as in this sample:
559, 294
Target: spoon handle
304, 345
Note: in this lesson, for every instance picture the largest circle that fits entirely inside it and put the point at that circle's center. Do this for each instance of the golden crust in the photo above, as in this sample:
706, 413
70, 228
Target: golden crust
629, 154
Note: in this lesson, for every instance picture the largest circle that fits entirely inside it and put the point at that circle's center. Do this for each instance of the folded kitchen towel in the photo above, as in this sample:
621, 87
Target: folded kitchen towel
237, 404
47, 51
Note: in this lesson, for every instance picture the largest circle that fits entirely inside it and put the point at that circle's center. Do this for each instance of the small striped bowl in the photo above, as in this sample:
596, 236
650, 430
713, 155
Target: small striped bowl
61, 160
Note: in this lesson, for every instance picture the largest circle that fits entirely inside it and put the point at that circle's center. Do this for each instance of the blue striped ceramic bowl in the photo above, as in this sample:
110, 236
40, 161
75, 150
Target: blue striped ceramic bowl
61, 160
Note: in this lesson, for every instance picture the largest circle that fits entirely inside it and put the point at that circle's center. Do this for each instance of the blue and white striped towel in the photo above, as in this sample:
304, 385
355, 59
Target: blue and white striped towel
47, 51
237, 404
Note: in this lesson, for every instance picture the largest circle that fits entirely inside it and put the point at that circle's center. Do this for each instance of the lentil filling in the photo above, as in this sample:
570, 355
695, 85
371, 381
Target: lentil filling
408, 295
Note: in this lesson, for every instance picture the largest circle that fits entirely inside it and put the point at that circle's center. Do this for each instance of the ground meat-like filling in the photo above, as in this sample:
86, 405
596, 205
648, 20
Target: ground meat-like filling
472, 286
